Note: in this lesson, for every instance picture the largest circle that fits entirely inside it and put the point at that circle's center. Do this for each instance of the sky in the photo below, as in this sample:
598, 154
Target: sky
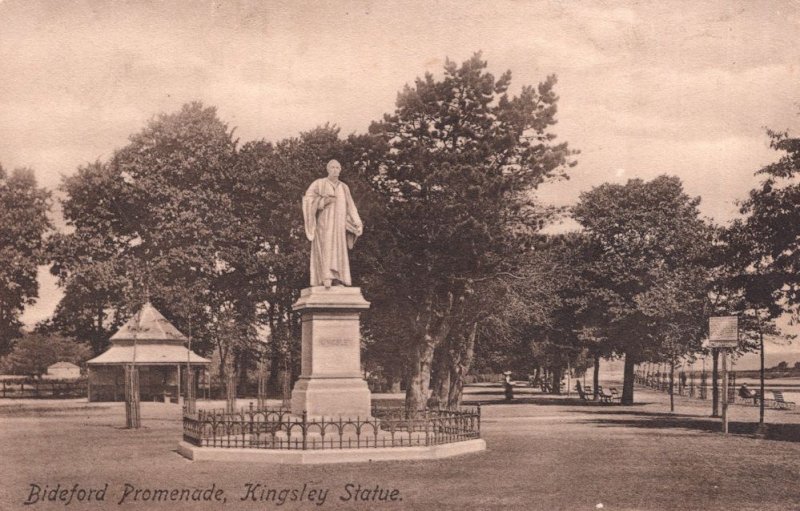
646, 88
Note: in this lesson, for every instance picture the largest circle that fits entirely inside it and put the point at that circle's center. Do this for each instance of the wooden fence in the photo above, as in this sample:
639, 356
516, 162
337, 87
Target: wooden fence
32, 388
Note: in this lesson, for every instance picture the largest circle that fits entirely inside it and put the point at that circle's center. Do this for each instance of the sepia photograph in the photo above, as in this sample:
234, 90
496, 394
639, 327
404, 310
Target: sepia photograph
399, 255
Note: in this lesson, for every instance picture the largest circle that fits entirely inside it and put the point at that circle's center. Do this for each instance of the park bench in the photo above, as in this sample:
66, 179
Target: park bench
779, 403
746, 397
608, 396
581, 392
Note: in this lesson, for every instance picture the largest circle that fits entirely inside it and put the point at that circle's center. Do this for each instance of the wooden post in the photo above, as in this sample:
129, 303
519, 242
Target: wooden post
230, 388
715, 383
88, 384
178, 397
189, 401
262, 384
132, 408
724, 354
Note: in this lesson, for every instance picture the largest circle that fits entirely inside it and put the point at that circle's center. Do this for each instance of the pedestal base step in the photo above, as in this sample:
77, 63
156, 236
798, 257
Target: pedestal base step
311, 457
331, 398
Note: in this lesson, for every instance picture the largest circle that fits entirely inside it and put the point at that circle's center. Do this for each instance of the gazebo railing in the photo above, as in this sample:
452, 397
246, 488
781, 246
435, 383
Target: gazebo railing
277, 428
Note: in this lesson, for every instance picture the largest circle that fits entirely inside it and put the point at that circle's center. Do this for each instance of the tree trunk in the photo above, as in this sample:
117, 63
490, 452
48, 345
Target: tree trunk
230, 388
419, 377
273, 354
274, 367
596, 377
262, 382
285, 379
672, 385
557, 374
715, 384
392, 382
434, 331
243, 381
627, 382
440, 376
461, 368
761, 380
98, 343
456, 390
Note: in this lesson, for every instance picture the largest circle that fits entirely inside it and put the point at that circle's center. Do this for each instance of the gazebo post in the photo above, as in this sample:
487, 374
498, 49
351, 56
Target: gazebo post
88, 384
179, 383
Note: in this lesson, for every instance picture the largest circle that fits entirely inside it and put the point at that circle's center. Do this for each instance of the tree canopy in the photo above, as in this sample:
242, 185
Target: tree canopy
35, 352
462, 160
453, 258
23, 225
769, 235
652, 268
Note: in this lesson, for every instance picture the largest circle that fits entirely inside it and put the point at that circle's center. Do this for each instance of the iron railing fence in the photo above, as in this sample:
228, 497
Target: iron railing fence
277, 428
703, 390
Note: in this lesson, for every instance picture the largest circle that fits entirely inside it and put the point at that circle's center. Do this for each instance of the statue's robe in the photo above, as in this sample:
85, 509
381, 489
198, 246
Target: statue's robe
331, 230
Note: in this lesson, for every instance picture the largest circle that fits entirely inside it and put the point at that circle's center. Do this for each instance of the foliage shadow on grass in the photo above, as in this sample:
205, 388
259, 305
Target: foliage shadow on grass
779, 432
501, 392
550, 401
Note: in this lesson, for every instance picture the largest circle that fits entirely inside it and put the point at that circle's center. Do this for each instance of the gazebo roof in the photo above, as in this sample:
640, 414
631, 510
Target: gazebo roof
146, 339
62, 364
148, 354
148, 325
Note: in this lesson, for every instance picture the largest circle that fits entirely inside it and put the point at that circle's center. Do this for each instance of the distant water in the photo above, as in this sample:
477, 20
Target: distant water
789, 386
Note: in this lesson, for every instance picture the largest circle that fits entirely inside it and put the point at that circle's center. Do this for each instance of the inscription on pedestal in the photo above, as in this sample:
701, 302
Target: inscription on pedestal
335, 342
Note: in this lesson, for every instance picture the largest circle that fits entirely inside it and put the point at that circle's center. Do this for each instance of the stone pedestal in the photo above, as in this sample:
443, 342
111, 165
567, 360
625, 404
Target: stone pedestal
330, 383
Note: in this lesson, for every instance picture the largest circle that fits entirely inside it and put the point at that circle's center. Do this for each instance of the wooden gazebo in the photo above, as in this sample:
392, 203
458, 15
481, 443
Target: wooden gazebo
156, 348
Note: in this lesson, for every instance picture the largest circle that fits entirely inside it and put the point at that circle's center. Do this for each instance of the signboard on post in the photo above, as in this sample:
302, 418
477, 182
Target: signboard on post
723, 332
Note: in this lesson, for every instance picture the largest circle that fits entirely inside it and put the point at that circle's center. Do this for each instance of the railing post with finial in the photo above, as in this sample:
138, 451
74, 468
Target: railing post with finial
305, 426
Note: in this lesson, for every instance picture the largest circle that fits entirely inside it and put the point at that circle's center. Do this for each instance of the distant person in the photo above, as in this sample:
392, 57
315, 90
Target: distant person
508, 386
746, 393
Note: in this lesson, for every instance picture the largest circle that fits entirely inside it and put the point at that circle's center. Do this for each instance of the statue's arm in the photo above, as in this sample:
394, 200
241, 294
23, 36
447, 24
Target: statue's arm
354, 223
312, 203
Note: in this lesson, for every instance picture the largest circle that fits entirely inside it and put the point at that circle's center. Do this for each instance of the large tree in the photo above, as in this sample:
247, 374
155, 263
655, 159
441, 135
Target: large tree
156, 222
463, 160
763, 256
770, 232
652, 267
23, 225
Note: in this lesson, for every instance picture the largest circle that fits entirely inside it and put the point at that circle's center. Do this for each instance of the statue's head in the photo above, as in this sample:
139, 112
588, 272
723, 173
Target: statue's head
334, 168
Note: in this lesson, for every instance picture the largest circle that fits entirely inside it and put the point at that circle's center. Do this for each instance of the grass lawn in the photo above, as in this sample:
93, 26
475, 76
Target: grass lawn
543, 453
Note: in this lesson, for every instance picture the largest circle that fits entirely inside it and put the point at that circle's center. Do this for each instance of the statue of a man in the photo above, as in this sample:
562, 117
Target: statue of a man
332, 225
